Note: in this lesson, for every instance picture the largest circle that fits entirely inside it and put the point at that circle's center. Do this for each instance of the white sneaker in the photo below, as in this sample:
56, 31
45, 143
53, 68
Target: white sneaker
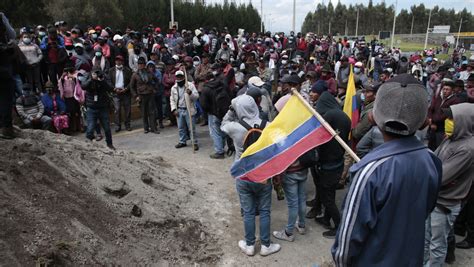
248, 250
283, 236
273, 248
301, 230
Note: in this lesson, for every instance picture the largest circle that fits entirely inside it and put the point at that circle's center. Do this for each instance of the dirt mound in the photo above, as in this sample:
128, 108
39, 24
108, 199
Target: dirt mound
67, 202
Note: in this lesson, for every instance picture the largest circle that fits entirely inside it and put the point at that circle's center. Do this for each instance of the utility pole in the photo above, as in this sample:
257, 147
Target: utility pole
294, 15
329, 32
394, 21
261, 15
459, 33
412, 20
357, 22
427, 30
172, 13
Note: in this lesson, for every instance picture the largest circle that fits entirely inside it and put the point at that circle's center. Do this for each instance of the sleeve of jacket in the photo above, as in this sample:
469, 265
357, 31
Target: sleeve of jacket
40, 109
455, 165
39, 54
359, 216
365, 144
194, 94
133, 85
205, 99
362, 128
20, 109
229, 123
173, 100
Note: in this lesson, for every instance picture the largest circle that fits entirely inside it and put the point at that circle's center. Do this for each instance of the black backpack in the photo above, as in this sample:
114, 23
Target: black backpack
253, 133
222, 102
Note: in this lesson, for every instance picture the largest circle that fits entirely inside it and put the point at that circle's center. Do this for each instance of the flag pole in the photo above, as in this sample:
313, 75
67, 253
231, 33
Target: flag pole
326, 125
188, 105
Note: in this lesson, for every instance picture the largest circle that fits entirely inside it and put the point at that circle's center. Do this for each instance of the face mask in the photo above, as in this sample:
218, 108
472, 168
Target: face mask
356, 70
180, 83
449, 127
27, 41
236, 69
42, 34
196, 63
94, 36
284, 62
225, 49
26, 92
98, 54
362, 97
215, 73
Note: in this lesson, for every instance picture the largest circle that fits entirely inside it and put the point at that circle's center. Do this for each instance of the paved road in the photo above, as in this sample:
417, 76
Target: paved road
307, 250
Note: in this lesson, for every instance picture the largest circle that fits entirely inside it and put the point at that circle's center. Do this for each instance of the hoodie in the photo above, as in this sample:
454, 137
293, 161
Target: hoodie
457, 155
331, 154
244, 108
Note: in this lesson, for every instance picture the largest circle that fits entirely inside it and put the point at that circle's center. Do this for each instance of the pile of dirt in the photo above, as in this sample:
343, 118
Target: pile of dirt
67, 202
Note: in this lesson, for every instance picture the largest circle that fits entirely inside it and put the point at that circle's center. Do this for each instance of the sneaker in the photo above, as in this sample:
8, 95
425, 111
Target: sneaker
99, 137
301, 230
310, 203
155, 132
273, 248
196, 147
331, 234
180, 145
111, 147
312, 213
217, 156
282, 235
248, 250
465, 244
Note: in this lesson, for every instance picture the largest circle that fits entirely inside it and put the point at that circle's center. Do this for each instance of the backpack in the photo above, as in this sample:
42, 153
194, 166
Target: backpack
222, 102
253, 133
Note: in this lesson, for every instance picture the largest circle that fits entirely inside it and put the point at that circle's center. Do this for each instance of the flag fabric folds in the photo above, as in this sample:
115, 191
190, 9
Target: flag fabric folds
350, 103
293, 132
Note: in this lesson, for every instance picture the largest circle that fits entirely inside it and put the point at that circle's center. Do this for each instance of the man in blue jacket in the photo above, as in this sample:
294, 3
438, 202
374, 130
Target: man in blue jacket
394, 188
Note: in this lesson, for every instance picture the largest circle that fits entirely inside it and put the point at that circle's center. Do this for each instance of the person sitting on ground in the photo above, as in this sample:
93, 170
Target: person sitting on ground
244, 108
31, 110
54, 107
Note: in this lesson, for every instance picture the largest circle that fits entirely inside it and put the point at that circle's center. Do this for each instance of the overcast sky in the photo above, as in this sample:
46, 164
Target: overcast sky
278, 13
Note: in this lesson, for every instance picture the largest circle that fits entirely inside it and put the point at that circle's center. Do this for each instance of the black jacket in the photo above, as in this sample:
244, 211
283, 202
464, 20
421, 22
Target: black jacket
101, 89
215, 97
331, 154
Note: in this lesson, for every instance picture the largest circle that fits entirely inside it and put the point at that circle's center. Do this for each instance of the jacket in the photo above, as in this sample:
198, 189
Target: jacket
97, 93
190, 99
364, 124
331, 154
138, 86
372, 139
457, 155
392, 192
127, 77
435, 112
48, 104
32, 53
246, 110
29, 107
210, 97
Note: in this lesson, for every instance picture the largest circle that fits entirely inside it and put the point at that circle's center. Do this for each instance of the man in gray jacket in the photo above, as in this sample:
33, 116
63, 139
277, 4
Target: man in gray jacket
457, 154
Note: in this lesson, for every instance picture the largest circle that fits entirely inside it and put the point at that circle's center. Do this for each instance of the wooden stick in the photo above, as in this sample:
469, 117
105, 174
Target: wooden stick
188, 104
326, 125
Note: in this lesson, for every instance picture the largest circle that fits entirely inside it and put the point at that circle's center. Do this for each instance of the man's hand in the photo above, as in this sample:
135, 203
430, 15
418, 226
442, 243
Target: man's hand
175, 113
138, 99
189, 91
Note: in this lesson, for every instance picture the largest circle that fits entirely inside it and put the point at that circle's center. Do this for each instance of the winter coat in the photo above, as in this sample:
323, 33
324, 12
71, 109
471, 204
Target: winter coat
97, 93
177, 92
138, 86
215, 97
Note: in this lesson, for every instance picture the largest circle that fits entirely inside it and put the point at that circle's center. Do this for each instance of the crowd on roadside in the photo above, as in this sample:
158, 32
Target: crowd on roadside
68, 79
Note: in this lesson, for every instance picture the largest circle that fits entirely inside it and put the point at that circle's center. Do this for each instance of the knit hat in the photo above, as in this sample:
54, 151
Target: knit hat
319, 87
401, 105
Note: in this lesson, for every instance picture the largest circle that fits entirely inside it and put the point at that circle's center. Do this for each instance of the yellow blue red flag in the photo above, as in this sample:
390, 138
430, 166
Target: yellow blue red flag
350, 102
293, 132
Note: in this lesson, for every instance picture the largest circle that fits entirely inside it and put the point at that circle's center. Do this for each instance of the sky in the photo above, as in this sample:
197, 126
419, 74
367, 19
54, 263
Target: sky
278, 13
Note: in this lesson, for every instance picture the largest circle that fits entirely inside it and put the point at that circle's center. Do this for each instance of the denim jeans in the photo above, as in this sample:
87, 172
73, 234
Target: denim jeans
122, 101
101, 114
294, 187
438, 226
218, 137
183, 126
252, 194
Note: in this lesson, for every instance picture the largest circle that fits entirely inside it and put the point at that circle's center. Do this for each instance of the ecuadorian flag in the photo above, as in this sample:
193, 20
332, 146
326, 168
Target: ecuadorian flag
293, 132
350, 102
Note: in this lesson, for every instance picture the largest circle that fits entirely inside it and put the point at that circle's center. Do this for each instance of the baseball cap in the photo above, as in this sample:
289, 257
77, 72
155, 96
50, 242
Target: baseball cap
117, 37
256, 81
401, 105
78, 45
179, 73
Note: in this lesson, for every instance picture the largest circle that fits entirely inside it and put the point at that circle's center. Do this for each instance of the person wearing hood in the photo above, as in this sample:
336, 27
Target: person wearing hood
182, 100
142, 86
120, 76
81, 60
198, 42
224, 52
331, 158
99, 60
250, 193
33, 56
456, 152
394, 187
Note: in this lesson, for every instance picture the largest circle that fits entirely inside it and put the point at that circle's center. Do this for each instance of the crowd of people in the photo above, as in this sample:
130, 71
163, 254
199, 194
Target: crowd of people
68, 79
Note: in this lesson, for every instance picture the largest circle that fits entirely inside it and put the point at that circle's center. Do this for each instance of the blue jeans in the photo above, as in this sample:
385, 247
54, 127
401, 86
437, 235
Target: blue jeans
218, 137
101, 114
252, 194
183, 126
293, 185
438, 226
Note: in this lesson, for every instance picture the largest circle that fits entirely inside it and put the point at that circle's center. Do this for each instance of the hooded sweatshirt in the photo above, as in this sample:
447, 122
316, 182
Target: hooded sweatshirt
457, 155
245, 109
331, 154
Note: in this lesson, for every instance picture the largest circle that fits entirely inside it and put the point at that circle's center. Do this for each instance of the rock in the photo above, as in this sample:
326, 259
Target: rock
202, 236
136, 211
118, 189
146, 178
